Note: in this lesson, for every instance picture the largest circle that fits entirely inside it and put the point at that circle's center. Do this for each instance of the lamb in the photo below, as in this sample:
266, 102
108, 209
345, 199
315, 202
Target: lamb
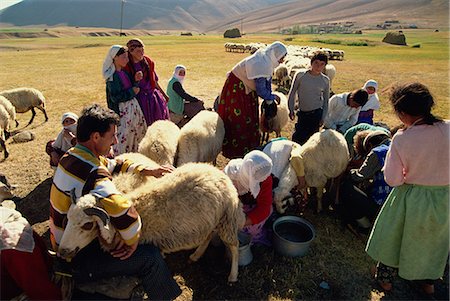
180, 211
201, 138
277, 123
25, 99
10, 109
160, 142
325, 156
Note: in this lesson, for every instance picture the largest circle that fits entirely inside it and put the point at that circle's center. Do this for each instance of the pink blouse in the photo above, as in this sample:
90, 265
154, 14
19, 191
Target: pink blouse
419, 155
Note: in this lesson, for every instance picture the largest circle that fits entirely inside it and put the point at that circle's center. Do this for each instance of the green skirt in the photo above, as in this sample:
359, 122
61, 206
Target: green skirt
411, 232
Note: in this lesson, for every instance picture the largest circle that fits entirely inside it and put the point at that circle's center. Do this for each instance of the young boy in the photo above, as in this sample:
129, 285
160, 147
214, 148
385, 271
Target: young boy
312, 88
65, 140
343, 110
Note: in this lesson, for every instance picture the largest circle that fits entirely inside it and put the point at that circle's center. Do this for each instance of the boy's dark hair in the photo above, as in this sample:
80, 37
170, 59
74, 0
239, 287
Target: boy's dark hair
360, 96
93, 119
321, 56
413, 99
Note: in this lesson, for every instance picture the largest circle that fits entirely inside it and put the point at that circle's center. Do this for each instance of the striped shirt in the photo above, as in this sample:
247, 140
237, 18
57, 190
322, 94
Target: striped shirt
79, 168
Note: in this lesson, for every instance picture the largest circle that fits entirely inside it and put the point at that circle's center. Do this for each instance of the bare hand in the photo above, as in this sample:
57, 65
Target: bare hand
136, 90
158, 172
123, 251
68, 134
138, 76
291, 115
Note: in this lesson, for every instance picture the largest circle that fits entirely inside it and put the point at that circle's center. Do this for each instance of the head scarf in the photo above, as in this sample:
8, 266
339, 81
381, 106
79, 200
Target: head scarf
108, 64
263, 62
371, 83
135, 42
176, 75
69, 115
249, 172
16, 232
382, 135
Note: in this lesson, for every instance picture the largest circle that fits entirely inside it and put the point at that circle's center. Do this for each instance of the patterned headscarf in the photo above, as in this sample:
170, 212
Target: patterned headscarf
263, 62
249, 172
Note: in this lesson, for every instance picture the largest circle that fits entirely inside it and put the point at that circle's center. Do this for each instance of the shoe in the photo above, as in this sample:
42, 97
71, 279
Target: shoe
385, 286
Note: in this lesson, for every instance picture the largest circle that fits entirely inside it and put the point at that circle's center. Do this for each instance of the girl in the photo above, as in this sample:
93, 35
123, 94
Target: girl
238, 102
373, 104
65, 140
411, 233
121, 98
252, 178
151, 96
182, 106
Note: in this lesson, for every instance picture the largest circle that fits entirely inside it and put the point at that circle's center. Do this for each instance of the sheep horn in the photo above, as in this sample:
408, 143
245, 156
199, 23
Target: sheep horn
73, 196
101, 213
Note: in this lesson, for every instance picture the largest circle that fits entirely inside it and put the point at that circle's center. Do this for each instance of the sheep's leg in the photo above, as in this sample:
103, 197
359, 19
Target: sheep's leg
33, 114
2, 144
319, 199
232, 277
201, 248
43, 111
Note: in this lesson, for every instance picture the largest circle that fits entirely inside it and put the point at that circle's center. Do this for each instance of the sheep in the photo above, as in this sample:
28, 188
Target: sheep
325, 156
201, 138
179, 211
10, 109
330, 71
25, 99
277, 123
4, 129
160, 142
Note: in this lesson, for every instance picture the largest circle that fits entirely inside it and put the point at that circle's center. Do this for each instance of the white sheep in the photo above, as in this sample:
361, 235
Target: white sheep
4, 129
160, 142
179, 211
10, 109
201, 138
23, 136
277, 123
25, 99
325, 156
5, 189
330, 71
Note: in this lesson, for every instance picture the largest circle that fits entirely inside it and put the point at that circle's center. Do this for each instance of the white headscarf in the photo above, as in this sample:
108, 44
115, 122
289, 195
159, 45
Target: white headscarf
69, 115
176, 75
15, 231
249, 172
108, 64
263, 62
371, 83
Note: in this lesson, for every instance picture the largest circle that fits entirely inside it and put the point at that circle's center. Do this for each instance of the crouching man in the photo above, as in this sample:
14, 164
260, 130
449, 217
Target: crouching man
86, 169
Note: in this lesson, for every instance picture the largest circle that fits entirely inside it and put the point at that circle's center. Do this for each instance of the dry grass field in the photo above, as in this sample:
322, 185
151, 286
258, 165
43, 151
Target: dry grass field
68, 71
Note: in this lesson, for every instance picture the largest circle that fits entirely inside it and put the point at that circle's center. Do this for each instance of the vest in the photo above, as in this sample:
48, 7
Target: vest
176, 102
380, 189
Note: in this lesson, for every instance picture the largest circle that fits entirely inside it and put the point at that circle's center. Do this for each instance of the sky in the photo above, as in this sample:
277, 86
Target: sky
6, 3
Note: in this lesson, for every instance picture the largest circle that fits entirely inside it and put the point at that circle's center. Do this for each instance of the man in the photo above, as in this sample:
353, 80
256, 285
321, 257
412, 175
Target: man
343, 110
312, 88
85, 169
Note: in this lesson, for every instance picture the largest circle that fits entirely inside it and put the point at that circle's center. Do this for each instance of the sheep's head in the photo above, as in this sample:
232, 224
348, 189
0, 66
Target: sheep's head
85, 222
282, 196
268, 114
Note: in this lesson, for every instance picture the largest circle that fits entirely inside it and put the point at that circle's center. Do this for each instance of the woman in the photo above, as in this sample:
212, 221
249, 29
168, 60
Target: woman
182, 106
121, 98
238, 103
253, 180
373, 104
411, 234
151, 97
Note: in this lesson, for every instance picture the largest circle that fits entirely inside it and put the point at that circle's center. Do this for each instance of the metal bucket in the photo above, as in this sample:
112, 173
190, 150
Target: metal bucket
245, 253
292, 236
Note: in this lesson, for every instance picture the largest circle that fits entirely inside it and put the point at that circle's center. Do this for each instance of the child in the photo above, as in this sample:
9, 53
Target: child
312, 89
373, 104
182, 106
252, 178
411, 233
65, 140
343, 110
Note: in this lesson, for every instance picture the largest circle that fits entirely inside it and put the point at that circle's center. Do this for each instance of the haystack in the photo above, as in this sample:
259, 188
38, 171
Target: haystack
396, 38
232, 33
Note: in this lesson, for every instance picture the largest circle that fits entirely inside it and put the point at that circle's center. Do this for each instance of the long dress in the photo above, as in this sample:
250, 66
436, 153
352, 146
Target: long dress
152, 102
240, 114
132, 127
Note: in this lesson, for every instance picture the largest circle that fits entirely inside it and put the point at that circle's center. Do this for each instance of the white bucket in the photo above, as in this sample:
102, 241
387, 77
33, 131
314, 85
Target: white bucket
245, 252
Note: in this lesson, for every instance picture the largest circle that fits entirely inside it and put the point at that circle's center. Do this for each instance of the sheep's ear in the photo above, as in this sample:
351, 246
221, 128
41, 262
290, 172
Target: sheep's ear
97, 211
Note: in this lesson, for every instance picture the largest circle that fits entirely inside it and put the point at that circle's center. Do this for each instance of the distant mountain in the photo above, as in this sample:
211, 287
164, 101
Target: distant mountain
137, 14
218, 15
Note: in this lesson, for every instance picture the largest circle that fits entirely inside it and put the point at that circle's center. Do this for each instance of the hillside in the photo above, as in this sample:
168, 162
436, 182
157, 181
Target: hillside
216, 16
